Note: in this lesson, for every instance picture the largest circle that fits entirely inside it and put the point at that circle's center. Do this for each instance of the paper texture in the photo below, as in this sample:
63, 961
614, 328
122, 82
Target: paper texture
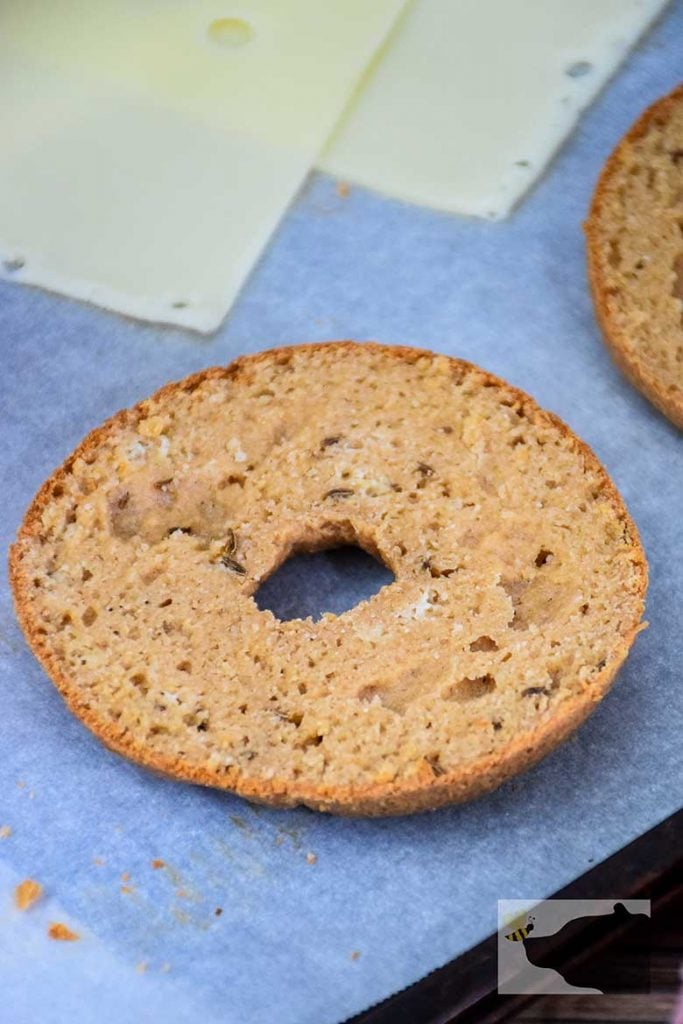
406, 894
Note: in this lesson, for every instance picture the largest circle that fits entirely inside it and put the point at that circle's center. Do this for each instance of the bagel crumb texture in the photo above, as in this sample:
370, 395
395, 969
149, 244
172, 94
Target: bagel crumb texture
635, 254
519, 579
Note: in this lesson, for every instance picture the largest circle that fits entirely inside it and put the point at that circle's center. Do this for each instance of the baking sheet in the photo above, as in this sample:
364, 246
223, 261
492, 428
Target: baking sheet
406, 895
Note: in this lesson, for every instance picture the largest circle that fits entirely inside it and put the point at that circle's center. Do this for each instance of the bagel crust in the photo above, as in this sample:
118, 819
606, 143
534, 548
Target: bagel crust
634, 236
519, 579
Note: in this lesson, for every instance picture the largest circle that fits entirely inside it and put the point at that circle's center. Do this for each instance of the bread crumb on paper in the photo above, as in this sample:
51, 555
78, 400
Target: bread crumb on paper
355, 955
61, 933
5, 831
27, 893
343, 189
142, 967
311, 858
156, 864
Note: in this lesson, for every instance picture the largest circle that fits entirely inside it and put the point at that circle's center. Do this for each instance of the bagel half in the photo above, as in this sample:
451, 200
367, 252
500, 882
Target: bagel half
519, 579
634, 236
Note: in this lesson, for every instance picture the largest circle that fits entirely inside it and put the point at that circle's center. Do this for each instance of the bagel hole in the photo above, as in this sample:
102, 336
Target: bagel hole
313, 583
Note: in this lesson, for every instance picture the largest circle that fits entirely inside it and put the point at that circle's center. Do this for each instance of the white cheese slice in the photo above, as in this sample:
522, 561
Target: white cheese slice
149, 147
472, 97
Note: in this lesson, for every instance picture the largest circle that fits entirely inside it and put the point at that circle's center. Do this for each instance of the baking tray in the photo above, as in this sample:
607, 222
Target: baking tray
464, 991
387, 901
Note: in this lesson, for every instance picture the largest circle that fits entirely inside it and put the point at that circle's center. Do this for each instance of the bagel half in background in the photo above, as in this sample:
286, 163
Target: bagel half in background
634, 236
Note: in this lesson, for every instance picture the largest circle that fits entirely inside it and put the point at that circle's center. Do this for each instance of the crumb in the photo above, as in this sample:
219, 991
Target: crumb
27, 893
125, 876
61, 933
98, 861
343, 189
218, 911
21, 784
311, 858
165, 968
5, 831
126, 889
355, 955
181, 894
156, 864
142, 967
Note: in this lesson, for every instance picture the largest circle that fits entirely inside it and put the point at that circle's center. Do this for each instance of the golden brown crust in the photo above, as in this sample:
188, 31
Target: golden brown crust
640, 373
375, 799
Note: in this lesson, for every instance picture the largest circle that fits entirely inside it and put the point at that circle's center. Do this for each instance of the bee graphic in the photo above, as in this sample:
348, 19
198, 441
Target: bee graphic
520, 934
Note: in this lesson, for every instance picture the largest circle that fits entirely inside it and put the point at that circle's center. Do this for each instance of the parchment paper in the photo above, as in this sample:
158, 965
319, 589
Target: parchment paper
405, 894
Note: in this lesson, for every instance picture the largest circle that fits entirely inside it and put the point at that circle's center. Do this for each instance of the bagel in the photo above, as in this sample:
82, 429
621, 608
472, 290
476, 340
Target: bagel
635, 254
519, 579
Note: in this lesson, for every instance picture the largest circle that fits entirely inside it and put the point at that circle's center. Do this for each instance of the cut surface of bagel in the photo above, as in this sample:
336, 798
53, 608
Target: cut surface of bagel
518, 590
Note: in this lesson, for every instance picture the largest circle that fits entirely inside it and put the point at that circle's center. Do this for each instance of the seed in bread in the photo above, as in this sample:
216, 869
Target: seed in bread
635, 254
519, 579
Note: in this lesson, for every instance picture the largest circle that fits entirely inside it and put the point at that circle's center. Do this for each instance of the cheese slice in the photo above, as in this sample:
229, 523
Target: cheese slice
150, 147
472, 98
